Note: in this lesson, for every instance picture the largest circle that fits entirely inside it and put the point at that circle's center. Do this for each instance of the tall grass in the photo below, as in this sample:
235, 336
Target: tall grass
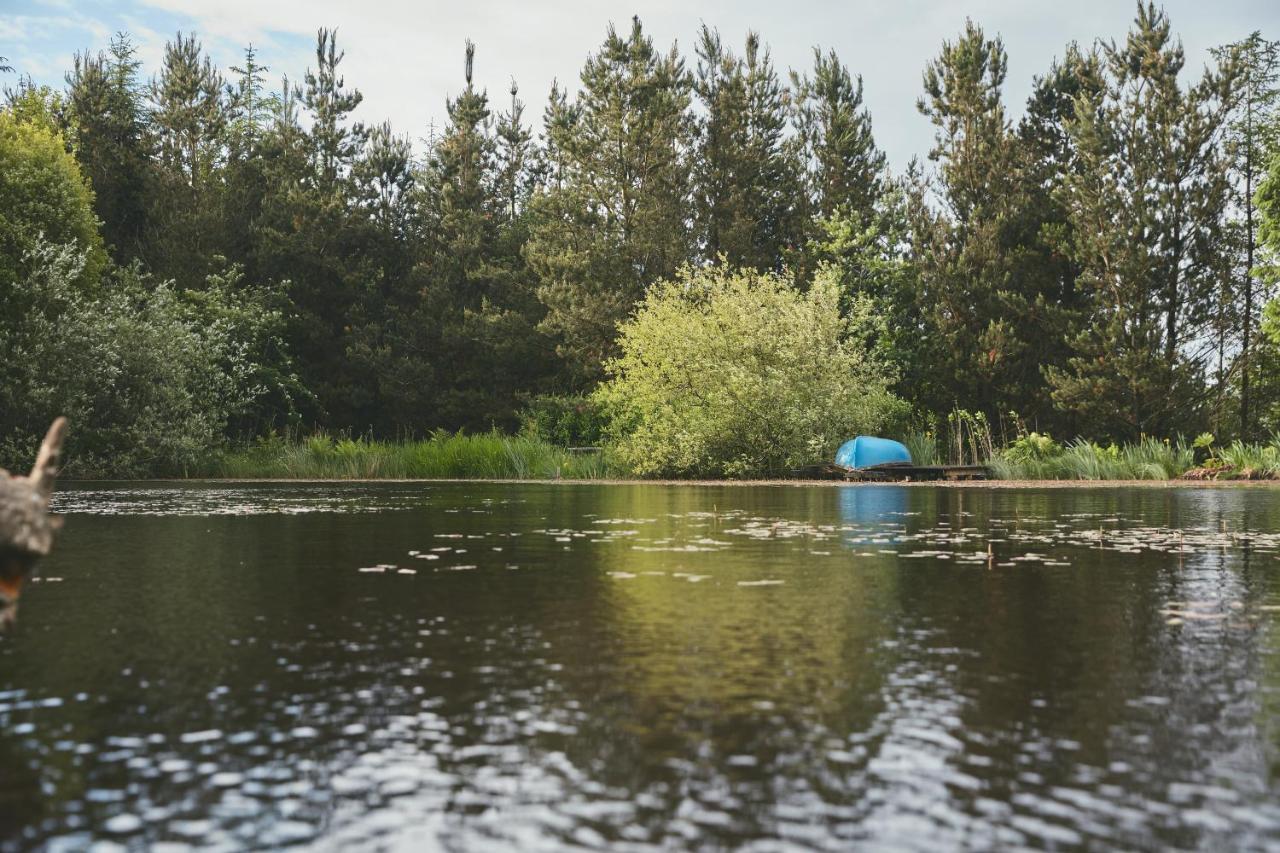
1251, 460
923, 447
441, 456
1149, 459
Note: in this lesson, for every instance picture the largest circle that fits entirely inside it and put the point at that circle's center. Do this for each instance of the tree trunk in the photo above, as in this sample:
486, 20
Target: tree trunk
26, 528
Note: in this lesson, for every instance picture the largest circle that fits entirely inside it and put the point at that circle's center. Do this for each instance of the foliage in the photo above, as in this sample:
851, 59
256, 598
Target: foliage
565, 420
968, 437
1032, 446
108, 121
151, 380
613, 216
923, 447
1252, 131
1148, 459
1087, 265
1148, 205
441, 456
735, 373
42, 196
747, 176
993, 295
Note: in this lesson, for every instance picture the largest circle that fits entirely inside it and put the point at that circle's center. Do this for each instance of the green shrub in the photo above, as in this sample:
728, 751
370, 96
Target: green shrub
1033, 446
43, 199
565, 420
737, 373
149, 380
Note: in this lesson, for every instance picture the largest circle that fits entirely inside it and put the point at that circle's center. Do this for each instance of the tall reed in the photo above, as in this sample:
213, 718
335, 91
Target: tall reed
1148, 459
441, 456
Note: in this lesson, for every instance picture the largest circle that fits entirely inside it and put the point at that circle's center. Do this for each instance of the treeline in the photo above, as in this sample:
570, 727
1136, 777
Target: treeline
1093, 268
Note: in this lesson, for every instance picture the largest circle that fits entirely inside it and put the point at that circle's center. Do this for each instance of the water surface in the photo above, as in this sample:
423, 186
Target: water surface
481, 666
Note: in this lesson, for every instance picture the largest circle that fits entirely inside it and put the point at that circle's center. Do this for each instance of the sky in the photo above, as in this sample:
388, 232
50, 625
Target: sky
406, 56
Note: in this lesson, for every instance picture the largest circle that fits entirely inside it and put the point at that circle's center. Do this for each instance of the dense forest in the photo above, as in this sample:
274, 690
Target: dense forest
206, 255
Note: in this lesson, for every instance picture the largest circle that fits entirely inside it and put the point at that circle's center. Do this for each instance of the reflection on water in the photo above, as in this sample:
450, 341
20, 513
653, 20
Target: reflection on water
467, 666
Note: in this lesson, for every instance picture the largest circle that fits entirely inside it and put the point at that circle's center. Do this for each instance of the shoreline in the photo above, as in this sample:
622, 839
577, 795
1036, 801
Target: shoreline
945, 484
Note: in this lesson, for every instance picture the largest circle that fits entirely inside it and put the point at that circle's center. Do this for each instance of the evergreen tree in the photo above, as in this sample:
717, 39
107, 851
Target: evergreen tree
112, 141
972, 296
478, 284
846, 169
251, 108
1147, 203
613, 219
334, 144
747, 187
1251, 133
305, 236
871, 262
1040, 231
516, 158
189, 120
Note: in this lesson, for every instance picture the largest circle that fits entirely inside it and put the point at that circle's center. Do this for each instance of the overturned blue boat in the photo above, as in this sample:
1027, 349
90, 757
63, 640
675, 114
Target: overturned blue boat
875, 459
867, 450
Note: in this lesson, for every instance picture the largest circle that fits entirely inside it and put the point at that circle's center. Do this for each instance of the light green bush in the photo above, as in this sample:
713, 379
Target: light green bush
736, 373
43, 197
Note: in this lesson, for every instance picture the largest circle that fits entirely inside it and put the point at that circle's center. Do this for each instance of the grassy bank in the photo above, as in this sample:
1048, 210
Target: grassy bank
494, 456
1149, 459
489, 456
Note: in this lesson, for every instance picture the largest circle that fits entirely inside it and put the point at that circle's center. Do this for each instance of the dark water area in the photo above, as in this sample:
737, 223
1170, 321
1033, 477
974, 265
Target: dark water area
546, 667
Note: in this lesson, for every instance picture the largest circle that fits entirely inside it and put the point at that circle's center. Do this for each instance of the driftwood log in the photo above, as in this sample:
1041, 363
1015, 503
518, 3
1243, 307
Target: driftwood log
26, 528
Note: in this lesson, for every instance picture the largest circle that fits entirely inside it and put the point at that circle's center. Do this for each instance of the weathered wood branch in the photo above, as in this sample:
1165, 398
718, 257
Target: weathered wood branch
26, 527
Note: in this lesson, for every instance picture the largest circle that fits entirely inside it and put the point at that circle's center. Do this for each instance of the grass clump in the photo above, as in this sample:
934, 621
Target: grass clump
1038, 457
443, 455
1247, 461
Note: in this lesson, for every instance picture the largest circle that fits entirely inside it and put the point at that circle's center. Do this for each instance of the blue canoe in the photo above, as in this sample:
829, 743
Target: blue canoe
867, 450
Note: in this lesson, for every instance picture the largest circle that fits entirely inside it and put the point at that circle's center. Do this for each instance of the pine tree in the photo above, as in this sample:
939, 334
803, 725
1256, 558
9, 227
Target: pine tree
113, 144
846, 169
305, 234
747, 187
456, 343
613, 219
1040, 231
334, 144
189, 120
187, 114
1147, 202
967, 290
251, 108
516, 159
1251, 133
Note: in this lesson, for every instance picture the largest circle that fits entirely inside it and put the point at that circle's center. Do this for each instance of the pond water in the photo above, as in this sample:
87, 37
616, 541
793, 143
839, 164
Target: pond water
486, 666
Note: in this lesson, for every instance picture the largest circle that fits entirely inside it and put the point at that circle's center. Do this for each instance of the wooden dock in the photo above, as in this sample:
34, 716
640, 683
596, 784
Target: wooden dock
901, 472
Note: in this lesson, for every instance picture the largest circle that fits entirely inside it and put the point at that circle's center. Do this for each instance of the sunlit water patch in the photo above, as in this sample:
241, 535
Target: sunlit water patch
467, 666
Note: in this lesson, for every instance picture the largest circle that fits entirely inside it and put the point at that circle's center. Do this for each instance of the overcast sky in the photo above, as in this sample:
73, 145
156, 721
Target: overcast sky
406, 56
